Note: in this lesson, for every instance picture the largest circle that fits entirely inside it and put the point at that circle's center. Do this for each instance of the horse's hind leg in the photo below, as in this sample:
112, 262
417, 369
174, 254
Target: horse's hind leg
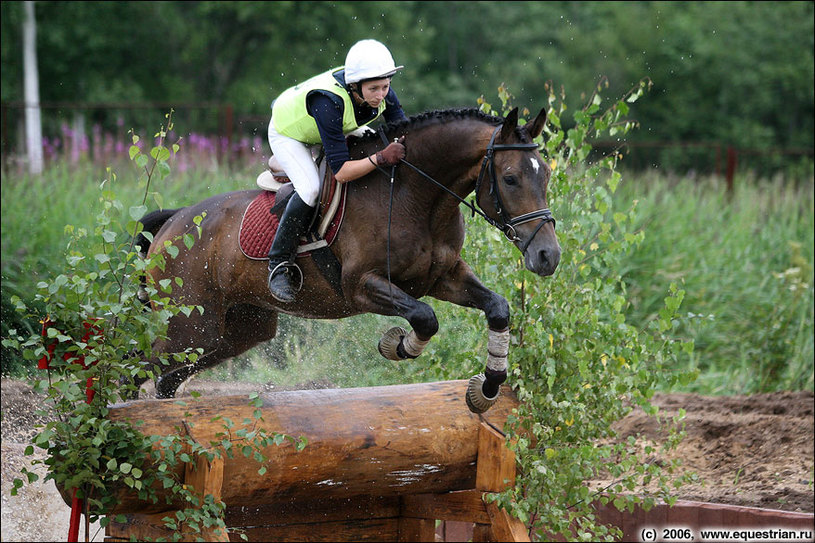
462, 287
242, 327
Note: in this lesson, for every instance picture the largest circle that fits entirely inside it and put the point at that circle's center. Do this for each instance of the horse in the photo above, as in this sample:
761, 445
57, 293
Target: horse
400, 240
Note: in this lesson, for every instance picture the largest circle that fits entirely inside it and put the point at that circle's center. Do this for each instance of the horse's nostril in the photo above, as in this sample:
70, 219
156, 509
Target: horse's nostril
554, 257
548, 260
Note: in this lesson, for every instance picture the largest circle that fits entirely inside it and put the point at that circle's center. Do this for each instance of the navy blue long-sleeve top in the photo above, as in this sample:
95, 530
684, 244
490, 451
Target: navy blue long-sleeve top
328, 108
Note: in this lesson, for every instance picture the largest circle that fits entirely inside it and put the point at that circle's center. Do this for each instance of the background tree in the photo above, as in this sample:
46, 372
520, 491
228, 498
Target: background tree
722, 71
33, 124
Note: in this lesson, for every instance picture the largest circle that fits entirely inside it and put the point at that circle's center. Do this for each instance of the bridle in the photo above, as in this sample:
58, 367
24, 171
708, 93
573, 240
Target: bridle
506, 224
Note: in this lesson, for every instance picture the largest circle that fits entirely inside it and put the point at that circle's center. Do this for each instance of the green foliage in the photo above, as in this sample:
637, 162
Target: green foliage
96, 335
576, 363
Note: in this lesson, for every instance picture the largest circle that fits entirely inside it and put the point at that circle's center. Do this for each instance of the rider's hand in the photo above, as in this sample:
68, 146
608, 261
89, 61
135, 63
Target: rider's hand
392, 154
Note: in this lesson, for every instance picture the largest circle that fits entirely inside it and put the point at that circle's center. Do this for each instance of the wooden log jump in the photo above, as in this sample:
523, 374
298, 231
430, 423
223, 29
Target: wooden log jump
382, 463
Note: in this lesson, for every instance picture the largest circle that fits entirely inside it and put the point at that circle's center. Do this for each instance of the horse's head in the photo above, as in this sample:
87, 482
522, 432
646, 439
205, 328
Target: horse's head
512, 189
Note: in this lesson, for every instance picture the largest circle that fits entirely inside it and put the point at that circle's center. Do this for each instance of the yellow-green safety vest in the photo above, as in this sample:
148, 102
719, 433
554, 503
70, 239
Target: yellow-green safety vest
291, 119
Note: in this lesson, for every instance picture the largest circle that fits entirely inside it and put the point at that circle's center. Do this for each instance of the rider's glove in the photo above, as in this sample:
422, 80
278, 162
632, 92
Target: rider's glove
392, 154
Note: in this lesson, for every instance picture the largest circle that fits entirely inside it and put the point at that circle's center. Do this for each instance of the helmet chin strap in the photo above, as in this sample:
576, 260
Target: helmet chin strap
359, 99
357, 92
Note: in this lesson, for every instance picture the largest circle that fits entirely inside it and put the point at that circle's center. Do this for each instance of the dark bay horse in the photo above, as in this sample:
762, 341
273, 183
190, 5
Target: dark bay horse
450, 154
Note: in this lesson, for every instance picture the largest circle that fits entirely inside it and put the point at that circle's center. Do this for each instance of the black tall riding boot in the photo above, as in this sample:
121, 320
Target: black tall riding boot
293, 224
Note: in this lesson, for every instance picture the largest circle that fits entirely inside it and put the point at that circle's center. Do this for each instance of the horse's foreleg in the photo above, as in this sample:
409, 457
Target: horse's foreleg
376, 295
463, 288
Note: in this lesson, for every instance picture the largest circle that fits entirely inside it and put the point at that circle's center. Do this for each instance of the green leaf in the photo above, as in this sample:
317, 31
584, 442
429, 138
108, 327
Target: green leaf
171, 249
163, 169
137, 212
160, 153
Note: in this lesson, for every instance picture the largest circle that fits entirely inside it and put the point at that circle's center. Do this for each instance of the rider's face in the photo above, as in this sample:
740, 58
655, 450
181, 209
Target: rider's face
374, 91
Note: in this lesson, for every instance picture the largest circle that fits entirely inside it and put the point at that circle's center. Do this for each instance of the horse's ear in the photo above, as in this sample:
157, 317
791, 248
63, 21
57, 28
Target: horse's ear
535, 128
510, 123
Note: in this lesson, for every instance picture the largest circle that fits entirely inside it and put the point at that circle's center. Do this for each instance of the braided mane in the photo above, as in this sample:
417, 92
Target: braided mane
432, 118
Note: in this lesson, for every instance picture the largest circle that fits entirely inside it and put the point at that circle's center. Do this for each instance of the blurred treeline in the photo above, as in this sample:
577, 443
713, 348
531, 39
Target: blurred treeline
732, 73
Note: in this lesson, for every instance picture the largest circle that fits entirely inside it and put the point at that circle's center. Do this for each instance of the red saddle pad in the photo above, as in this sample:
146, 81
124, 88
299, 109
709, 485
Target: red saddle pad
258, 226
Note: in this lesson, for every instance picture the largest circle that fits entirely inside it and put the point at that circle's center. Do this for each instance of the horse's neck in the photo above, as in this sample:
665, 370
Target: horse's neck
452, 155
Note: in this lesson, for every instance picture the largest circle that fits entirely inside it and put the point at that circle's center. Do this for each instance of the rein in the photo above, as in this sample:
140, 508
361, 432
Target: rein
507, 224
390, 216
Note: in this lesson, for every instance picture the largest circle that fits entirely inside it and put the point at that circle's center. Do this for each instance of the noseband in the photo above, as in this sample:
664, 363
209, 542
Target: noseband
508, 224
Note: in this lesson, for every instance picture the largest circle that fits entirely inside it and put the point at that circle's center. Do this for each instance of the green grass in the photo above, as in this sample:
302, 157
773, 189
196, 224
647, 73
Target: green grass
746, 264
745, 261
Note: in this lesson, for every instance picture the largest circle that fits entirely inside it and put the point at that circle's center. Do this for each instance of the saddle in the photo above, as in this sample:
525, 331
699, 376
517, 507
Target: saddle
262, 217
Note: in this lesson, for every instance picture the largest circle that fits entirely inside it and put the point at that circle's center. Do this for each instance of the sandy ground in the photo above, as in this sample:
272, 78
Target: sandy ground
753, 451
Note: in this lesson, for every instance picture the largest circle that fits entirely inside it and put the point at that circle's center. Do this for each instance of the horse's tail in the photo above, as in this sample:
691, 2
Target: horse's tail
152, 222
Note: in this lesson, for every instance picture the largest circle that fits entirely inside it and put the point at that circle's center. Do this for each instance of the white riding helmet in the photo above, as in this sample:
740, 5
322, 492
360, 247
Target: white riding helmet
369, 59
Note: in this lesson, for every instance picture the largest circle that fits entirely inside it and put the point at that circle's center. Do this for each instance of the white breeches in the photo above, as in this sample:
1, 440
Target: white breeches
297, 161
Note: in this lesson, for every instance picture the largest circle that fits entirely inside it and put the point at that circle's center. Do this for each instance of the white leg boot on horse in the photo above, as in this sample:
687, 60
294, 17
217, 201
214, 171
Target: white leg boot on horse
293, 223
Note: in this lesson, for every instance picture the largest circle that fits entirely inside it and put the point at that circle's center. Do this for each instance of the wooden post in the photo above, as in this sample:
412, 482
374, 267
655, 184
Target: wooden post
505, 527
206, 477
495, 472
482, 533
417, 529
731, 168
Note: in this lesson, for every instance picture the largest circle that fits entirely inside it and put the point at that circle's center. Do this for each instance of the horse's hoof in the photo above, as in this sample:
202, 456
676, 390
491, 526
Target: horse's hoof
390, 342
477, 402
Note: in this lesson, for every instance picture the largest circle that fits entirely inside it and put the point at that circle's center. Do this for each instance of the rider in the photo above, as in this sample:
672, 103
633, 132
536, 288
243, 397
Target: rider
322, 110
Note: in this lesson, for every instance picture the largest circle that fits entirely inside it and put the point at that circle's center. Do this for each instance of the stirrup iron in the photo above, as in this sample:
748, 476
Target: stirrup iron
284, 267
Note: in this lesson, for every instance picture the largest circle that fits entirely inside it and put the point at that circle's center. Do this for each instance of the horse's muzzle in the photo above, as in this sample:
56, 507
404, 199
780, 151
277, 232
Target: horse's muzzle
542, 257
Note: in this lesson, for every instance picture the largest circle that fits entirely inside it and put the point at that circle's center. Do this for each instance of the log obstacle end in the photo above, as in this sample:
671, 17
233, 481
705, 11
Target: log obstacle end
381, 464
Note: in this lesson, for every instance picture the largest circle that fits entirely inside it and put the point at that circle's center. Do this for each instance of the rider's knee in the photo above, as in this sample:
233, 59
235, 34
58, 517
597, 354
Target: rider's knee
309, 195
274, 165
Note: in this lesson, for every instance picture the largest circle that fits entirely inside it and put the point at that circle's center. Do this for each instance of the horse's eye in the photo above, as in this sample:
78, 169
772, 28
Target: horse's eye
510, 180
